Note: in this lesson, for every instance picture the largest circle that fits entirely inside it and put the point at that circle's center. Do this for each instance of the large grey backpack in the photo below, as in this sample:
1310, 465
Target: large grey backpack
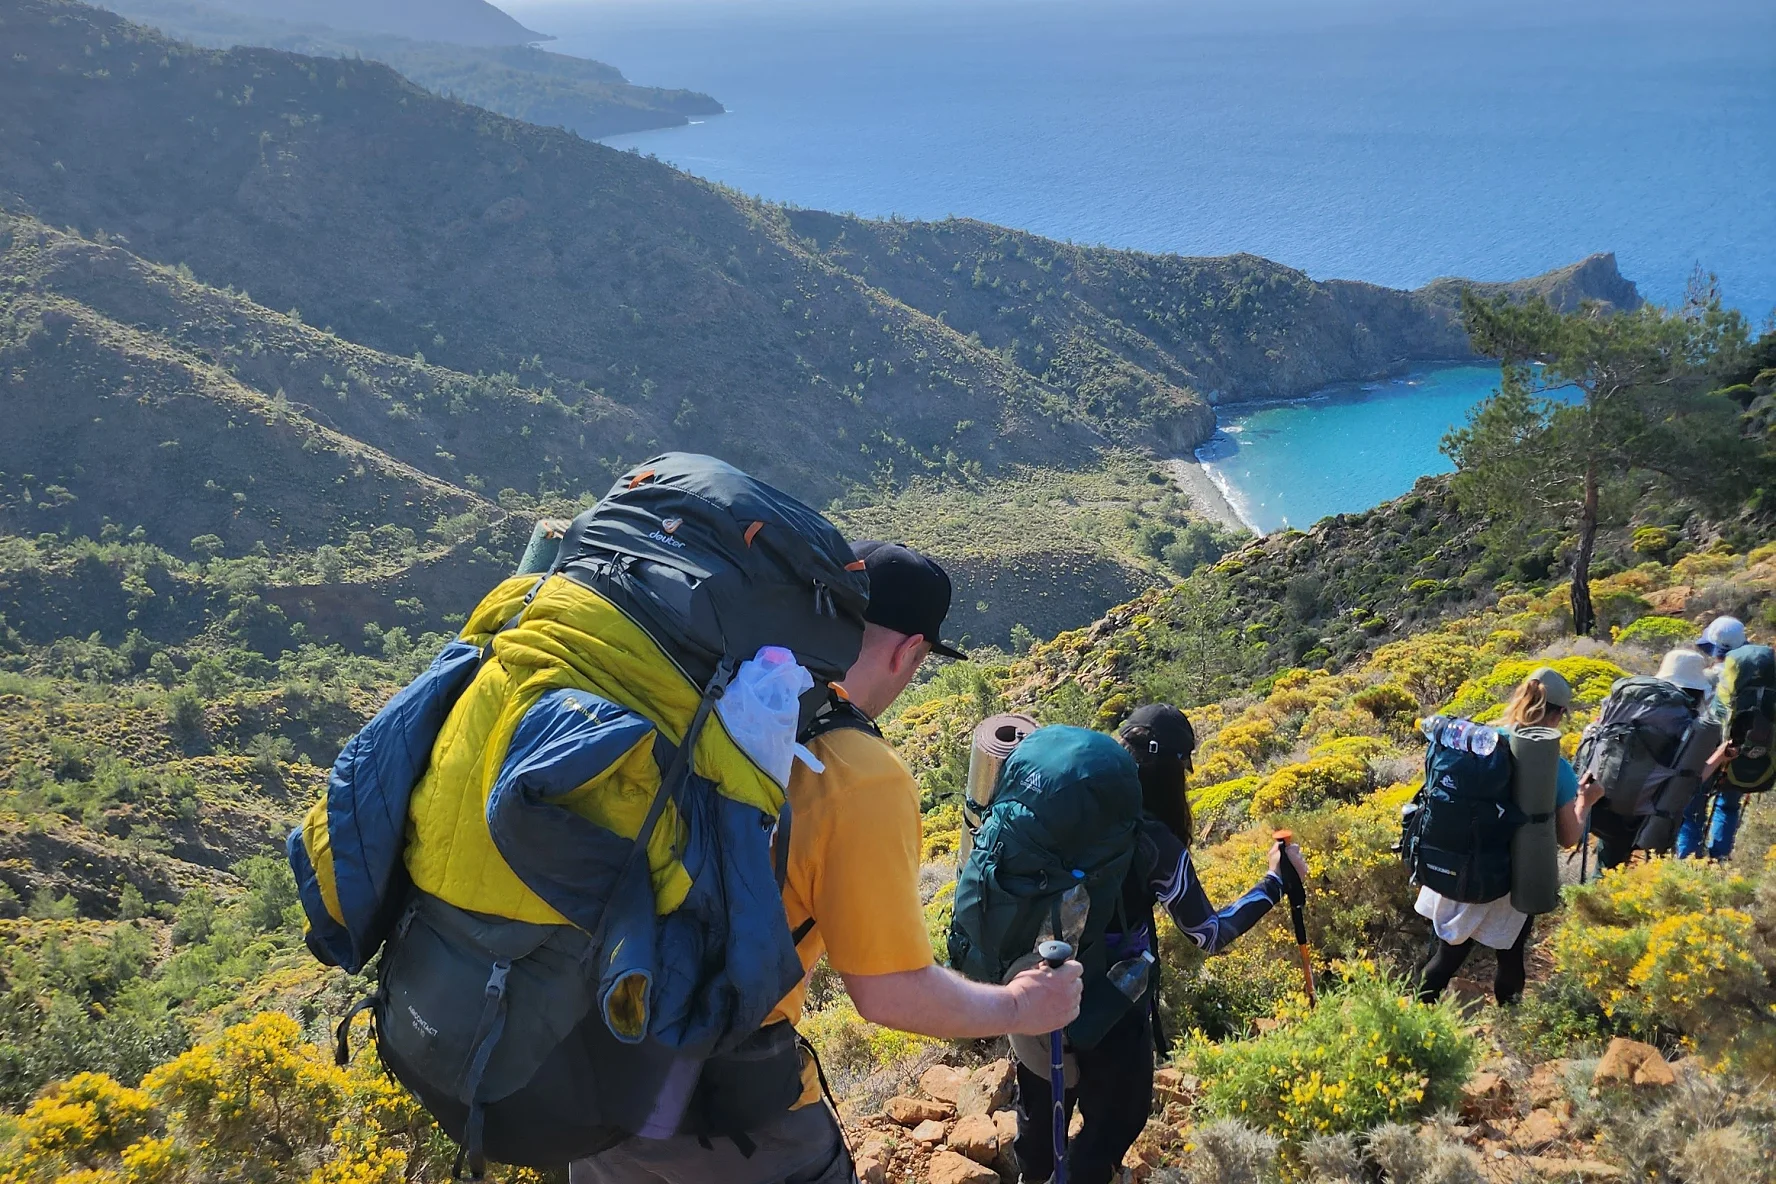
714, 564
1633, 748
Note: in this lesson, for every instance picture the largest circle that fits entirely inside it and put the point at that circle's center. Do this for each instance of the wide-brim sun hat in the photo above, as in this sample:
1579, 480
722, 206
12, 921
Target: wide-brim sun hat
1685, 668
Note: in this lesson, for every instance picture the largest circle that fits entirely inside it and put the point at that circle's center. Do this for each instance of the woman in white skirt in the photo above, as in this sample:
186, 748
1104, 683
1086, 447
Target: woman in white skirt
1457, 927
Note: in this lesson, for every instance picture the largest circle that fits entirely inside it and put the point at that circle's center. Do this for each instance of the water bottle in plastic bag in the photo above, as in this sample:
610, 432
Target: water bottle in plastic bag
761, 711
1131, 974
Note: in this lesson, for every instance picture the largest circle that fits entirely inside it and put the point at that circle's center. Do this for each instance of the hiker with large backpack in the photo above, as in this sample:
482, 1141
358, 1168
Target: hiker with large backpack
1743, 704
1648, 749
1460, 831
568, 839
851, 894
1083, 837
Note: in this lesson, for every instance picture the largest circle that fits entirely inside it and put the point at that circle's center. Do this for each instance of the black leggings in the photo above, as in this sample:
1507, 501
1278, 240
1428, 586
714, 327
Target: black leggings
1444, 960
1114, 1094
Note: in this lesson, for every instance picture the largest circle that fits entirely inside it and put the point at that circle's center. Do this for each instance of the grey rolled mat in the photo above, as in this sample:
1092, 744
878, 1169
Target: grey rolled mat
1664, 811
544, 546
1535, 848
993, 740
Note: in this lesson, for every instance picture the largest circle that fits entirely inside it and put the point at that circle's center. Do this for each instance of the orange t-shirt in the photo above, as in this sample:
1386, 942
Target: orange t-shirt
854, 851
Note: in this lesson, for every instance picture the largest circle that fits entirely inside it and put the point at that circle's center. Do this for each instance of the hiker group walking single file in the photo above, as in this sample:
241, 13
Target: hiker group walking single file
595, 851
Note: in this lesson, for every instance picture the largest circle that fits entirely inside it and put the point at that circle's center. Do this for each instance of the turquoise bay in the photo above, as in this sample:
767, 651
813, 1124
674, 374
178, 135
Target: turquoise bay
1343, 449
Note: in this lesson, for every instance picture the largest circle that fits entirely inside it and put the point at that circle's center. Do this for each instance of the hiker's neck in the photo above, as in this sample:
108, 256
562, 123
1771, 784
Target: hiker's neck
885, 666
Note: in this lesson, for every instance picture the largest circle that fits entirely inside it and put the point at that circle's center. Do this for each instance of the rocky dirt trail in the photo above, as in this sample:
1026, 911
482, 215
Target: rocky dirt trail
1516, 1122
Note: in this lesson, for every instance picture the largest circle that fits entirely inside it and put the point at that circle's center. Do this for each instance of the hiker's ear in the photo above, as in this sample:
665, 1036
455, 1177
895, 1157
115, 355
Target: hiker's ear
910, 653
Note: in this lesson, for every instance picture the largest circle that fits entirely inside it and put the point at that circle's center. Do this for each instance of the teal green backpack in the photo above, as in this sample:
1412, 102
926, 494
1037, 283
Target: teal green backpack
1064, 813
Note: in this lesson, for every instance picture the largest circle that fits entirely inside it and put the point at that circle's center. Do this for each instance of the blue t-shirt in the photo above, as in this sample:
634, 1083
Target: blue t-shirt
1566, 782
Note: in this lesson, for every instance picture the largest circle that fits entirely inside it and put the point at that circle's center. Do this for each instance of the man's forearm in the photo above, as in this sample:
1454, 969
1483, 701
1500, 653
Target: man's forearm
934, 1002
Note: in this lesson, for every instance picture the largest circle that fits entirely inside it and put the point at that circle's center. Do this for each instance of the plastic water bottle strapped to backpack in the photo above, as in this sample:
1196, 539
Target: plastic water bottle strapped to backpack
1456, 833
564, 848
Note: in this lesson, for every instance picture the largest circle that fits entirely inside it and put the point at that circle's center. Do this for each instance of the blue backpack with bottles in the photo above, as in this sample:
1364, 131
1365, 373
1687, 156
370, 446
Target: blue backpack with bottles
1456, 832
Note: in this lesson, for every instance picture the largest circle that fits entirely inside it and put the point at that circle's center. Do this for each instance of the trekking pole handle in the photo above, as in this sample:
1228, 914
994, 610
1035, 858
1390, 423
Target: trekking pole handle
1054, 954
1292, 885
1296, 891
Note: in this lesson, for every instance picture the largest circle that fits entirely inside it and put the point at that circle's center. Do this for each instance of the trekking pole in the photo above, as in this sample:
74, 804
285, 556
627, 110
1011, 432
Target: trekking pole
1056, 954
1585, 849
1296, 891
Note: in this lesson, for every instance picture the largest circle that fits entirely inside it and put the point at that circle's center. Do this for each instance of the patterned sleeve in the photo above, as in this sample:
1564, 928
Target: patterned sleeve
1174, 885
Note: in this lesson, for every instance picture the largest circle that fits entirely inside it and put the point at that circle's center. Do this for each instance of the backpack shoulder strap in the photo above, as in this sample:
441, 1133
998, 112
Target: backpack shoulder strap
836, 713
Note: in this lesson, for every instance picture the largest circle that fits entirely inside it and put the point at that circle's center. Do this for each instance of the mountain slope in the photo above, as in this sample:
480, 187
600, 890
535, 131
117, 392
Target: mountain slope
584, 96
498, 316
465, 22
412, 224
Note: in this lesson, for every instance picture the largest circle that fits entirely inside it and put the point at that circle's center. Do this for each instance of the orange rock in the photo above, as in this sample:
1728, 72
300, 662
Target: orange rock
1486, 1095
930, 1132
943, 1082
976, 1136
1547, 1084
947, 1167
988, 1089
1538, 1129
912, 1111
871, 1171
1175, 1086
1631, 1062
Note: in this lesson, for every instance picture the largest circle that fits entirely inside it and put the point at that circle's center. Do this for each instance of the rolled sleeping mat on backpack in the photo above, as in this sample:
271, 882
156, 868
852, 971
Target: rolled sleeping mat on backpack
1665, 809
994, 738
544, 546
1535, 847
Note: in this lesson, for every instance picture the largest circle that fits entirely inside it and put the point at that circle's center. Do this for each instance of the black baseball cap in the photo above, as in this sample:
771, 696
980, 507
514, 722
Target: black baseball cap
909, 593
1165, 731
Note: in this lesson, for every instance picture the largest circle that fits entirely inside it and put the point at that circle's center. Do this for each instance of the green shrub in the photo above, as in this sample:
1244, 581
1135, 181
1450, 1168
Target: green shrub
1658, 633
1368, 1054
1653, 540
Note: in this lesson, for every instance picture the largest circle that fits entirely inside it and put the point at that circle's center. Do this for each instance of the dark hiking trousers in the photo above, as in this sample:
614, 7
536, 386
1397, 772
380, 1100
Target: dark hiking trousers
1444, 960
1114, 1095
805, 1146
1615, 838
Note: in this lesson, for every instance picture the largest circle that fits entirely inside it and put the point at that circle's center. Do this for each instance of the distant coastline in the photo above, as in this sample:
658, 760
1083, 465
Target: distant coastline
1207, 497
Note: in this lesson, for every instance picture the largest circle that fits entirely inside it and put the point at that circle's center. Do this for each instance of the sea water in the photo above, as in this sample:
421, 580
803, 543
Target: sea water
1343, 449
1385, 140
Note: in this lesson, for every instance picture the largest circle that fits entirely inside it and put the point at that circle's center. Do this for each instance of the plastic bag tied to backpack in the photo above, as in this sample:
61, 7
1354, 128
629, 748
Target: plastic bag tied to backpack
762, 708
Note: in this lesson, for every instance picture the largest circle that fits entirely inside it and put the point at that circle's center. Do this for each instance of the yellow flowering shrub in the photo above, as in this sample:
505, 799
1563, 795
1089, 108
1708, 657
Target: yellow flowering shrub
1484, 696
1303, 786
1251, 739
1216, 765
1429, 665
85, 1123
1367, 1054
1358, 900
375, 1165
1657, 633
1668, 944
258, 1103
257, 1092
942, 831
1221, 807
1693, 568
